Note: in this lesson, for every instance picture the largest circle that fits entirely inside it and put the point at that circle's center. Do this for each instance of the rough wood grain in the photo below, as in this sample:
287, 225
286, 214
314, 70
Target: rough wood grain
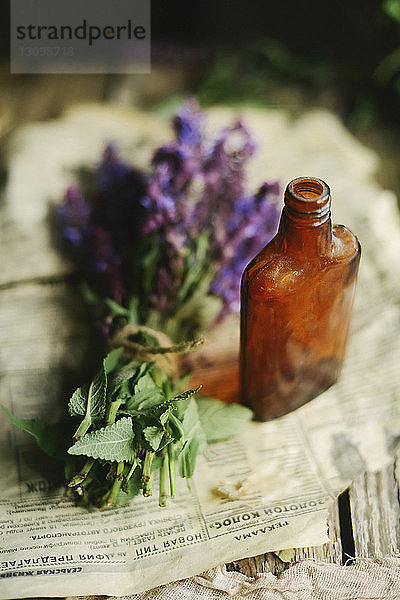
330, 552
375, 510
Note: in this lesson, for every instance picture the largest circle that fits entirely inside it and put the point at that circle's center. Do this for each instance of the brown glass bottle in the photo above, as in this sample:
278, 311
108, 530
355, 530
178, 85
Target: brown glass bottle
297, 297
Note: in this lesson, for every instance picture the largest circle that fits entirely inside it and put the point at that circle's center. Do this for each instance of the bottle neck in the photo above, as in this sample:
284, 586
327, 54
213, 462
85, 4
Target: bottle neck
306, 227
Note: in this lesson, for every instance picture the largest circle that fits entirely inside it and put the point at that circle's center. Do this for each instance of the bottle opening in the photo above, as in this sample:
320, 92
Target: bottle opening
307, 197
308, 188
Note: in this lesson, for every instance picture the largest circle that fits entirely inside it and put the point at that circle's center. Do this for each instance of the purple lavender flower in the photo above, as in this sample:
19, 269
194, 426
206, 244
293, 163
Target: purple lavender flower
251, 226
191, 219
197, 187
188, 124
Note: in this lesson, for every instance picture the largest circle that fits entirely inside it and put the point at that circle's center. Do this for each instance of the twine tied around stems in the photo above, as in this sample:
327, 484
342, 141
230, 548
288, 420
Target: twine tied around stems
165, 354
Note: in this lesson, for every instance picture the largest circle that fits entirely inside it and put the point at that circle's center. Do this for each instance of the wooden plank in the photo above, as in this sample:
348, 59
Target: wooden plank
331, 552
375, 510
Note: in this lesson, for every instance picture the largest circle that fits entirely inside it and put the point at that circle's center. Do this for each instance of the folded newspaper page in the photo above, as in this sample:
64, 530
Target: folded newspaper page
265, 490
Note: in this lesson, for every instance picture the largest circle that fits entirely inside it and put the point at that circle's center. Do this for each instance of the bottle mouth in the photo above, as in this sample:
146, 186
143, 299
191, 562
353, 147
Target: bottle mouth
308, 197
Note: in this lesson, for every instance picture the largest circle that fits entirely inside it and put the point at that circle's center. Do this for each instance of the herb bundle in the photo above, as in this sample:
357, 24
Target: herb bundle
161, 256
129, 423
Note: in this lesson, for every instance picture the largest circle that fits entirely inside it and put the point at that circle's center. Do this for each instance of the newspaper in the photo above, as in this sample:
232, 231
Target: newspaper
289, 470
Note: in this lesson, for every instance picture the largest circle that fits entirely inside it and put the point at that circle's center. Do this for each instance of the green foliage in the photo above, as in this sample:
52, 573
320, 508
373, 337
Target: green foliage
90, 399
112, 443
250, 76
194, 440
52, 439
392, 9
188, 455
122, 375
154, 436
116, 310
111, 360
221, 421
130, 411
146, 395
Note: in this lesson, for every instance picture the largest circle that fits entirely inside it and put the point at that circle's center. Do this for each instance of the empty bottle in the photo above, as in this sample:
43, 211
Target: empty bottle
296, 303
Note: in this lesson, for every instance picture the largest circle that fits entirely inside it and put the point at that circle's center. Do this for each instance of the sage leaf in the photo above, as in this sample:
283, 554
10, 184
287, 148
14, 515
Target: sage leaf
163, 418
112, 443
90, 400
147, 395
122, 375
154, 436
145, 382
187, 457
191, 423
195, 441
176, 427
220, 420
111, 360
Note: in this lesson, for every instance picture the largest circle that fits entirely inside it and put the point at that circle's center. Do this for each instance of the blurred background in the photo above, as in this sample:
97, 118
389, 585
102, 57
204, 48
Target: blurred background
344, 56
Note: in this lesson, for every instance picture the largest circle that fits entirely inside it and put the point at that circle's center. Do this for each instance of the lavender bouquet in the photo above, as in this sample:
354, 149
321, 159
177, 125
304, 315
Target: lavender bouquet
161, 255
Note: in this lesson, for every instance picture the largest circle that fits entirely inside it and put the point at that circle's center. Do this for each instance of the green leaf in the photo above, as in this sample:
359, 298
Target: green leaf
52, 439
220, 420
164, 416
127, 373
197, 265
115, 308
195, 313
133, 309
191, 422
124, 392
144, 400
90, 400
187, 457
89, 295
176, 427
147, 395
187, 394
149, 263
145, 383
111, 360
195, 440
113, 443
154, 436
